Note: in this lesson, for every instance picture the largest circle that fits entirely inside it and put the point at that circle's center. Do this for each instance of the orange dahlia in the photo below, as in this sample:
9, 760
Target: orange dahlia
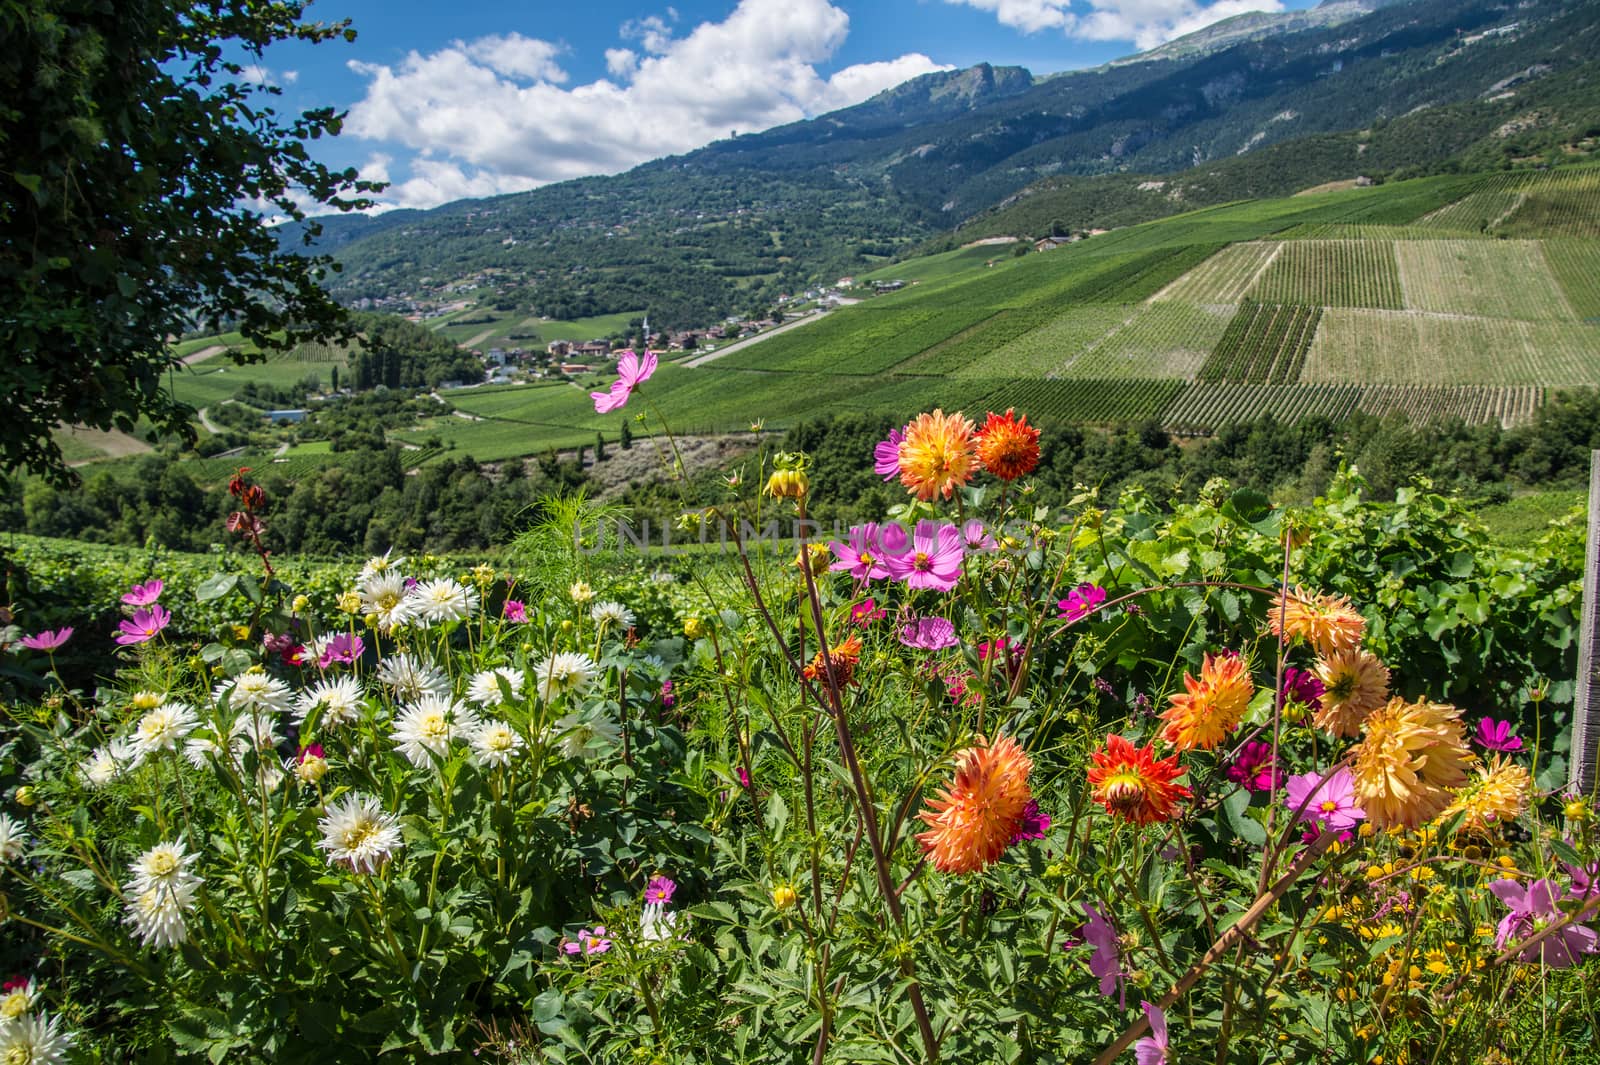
844, 656
1213, 705
1133, 784
1411, 757
1008, 447
936, 454
1329, 623
972, 821
1354, 684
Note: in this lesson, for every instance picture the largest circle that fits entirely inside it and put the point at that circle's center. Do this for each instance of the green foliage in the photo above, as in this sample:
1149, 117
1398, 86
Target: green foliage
133, 147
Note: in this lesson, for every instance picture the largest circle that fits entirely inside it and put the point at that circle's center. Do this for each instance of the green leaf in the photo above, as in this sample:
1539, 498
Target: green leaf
216, 586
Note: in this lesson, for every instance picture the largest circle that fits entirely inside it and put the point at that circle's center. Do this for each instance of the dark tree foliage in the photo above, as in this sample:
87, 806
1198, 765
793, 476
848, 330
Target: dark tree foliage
131, 149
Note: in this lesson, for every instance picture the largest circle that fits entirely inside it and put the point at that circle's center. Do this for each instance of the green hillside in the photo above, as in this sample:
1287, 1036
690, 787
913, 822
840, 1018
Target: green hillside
1372, 299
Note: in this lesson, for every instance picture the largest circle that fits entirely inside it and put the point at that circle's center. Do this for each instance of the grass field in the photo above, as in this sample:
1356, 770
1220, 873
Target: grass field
507, 330
1400, 347
1484, 278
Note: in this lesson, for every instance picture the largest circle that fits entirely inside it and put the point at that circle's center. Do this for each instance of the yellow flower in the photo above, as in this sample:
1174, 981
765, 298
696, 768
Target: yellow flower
147, 700
1212, 706
694, 628
300, 603
1354, 685
813, 557
1329, 623
1576, 810
1410, 758
1500, 793
784, 897
482, 573
936, 455
349, 602
971, 822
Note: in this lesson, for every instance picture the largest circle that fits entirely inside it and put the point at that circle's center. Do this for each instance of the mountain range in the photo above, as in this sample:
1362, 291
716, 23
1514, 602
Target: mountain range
1254, 105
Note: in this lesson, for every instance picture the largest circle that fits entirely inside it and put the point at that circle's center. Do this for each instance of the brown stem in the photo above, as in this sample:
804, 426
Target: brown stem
1226, 942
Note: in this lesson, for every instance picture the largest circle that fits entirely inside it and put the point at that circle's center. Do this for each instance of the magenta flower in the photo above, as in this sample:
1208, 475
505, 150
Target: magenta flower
667, 698
144, 594
1106, 961
1532, 909
1255, 769
999, 647
1080, 601
744, 777
343, 647
1496, 736
934, 560
145, 625
1034, 824
886, 456
1302, 686
589, 942
311, 750
659, 889
515, 611
1152, 1049
977, 537
928, 634
1585, 880
47, 640
1331, 802
862, 557
633, 372
866, 612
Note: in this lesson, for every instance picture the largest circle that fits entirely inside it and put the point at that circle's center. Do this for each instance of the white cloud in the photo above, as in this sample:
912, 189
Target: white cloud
486, 118
290, 76
517, 56
621, 62
1147, 23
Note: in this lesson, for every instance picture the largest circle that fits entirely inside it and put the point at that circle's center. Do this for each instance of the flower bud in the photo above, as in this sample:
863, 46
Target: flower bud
784, 897
25, 796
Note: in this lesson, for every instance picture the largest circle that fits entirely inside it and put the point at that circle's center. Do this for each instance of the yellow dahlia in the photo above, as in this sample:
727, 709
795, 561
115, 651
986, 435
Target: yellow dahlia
972, 821
1329, 623
1500, 793
1213, 705
936, 454
1413, 754
1008, 447
1354, 684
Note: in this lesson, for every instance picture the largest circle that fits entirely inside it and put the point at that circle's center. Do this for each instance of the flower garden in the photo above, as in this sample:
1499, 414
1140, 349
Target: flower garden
986, 779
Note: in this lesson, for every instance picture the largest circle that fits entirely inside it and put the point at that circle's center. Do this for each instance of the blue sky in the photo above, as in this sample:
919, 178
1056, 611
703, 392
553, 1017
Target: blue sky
471, 98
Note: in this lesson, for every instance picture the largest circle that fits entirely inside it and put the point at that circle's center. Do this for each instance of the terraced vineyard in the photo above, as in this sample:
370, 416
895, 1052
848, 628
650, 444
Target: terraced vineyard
1384, 300
1265, 343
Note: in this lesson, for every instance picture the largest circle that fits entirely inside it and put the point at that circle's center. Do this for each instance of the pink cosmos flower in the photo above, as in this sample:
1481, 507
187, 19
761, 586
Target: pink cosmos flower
1080, 601
1255, 769
516, 611
1152, 1049
47, 640
886, 456
744, 777
1333, 803
144, 594
866, 612
934, 560
1106, 961
343, 647
145, 625
633, 372
1034, 824
667, 698
1533, 908
589, 942
1496, 736
977, 536
928, 634
862, 557
1302, 686
659, 889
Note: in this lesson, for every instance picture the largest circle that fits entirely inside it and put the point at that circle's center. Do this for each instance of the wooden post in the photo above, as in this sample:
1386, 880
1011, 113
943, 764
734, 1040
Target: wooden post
1586, 700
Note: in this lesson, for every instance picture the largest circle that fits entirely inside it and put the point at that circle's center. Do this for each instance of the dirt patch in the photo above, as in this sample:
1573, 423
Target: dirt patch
204, 353
113, 443
1328, 186
479, 339
651, 460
